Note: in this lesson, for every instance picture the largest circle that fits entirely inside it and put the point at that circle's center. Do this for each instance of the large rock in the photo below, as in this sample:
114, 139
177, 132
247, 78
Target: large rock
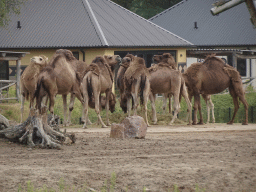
130, 127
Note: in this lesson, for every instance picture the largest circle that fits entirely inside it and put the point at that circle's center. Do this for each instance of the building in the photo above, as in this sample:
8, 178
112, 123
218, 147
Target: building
226, 34
88, 28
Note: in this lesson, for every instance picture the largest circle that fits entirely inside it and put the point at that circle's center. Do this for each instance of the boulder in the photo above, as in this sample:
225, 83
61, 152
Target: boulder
130, 127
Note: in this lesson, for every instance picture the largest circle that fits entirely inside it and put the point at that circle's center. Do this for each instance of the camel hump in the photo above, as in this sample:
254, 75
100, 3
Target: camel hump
232, 73
94, 68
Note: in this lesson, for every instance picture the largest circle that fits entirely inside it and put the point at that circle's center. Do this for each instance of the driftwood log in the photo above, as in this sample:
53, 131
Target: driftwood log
35, 131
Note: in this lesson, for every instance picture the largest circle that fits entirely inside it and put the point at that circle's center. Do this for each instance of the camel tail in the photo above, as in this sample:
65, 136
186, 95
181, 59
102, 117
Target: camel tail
89, 88
142, 87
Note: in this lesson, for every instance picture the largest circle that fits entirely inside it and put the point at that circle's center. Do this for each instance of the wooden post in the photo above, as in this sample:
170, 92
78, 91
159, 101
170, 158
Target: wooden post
234, 60
18, 63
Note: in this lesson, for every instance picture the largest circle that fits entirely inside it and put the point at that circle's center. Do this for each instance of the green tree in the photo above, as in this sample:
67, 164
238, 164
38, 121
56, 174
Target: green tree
146, 8
7, 7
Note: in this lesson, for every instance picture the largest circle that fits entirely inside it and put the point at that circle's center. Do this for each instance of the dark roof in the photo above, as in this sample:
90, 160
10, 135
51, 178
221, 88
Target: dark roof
232, 27
82, 23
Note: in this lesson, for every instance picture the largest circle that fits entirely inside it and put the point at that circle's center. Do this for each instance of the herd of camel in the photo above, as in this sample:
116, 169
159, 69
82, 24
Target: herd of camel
63, 74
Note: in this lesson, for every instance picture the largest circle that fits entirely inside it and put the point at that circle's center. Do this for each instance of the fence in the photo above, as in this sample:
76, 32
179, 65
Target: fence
224, 115
4, 89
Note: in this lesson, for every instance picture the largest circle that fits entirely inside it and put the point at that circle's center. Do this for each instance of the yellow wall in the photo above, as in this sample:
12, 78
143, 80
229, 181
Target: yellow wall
90, 54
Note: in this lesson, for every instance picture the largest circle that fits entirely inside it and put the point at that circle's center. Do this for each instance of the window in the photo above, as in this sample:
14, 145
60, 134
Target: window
76, 55
4, 70
241, 65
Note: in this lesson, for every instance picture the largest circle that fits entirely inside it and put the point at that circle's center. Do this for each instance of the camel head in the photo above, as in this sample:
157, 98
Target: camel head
67, 53
112, 60
165, 58
40, 60
126, 61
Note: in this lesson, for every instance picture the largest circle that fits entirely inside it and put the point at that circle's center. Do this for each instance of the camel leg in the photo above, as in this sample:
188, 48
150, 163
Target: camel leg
210, 107
189, 114
85, 111
176, 107
71, 107
51, 106
146, 92
64, 98
170, 104
184, 93
201, 122
165, 96
196, 104
107, 105
22, 107
129, 106
97, 108
135, 92
236, 104
241, 94
152, 98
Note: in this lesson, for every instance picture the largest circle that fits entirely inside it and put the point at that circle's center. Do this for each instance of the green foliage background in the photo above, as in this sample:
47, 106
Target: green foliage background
146, 8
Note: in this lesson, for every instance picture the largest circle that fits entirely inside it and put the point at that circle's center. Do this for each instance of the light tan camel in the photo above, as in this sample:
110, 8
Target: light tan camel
99, 79
211, 77
29, 79
60, 76
136, 80
165, 80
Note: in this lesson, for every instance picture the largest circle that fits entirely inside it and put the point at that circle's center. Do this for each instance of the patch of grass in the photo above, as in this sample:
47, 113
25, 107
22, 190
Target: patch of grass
108, 186
222, 103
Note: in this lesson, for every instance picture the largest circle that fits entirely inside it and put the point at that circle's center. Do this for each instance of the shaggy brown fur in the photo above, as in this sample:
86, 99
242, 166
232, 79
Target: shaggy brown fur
59, 77
29, 79
211, 77
95, 83
136, 79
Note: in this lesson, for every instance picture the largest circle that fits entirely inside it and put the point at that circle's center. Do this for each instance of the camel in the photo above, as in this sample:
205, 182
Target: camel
98, 78
120, 82
136, 79
60, 76
211, 77
29, 79
169, 60
166, 80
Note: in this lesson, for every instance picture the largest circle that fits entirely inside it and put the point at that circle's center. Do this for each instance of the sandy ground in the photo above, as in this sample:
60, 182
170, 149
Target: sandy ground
216, 157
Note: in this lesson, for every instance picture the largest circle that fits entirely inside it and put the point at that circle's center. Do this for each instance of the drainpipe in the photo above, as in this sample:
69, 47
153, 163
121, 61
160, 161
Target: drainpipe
83, 54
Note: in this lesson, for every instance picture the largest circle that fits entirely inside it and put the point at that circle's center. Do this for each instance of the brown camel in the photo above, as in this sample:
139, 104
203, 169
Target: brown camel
136, 80
168, 59
211, 77
165, 80
98, 79
59, 77
29, 79
120, 82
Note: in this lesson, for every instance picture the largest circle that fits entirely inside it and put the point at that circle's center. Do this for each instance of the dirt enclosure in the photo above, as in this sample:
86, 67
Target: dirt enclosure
215, 157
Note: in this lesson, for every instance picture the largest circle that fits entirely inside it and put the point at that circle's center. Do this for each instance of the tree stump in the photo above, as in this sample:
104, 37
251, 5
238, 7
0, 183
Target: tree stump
36, 131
